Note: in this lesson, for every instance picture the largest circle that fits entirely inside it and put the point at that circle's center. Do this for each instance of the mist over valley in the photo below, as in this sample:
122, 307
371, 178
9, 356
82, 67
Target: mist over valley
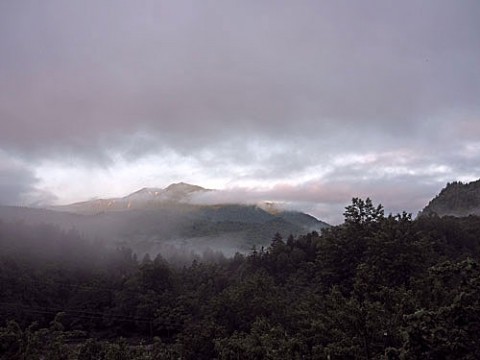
171, 222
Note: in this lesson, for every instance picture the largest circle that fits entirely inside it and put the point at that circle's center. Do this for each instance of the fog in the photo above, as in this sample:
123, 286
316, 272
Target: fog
307, 102
180, 234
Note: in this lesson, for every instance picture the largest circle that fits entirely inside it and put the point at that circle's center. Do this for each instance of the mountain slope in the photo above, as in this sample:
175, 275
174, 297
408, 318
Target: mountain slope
456, 199
152, 218
145, 198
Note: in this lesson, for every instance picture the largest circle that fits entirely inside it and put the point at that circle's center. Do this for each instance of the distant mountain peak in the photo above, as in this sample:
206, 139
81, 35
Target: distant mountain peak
175, 189
183, 187
145, 198
147, 191
270, 207
180, 199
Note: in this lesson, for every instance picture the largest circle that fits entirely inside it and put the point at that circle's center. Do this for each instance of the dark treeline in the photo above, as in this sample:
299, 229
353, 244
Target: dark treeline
374, 287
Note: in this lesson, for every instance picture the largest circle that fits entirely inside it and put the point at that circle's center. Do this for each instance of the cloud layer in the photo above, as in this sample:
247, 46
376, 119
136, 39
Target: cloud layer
309, 100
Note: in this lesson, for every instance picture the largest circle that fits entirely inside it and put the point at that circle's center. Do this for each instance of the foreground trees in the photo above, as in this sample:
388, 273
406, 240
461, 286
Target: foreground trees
374, 287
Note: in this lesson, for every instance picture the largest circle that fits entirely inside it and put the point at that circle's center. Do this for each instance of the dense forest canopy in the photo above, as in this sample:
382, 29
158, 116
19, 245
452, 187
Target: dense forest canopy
374, 287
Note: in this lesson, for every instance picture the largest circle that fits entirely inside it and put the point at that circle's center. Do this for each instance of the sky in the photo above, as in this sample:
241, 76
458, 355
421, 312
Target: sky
306, 103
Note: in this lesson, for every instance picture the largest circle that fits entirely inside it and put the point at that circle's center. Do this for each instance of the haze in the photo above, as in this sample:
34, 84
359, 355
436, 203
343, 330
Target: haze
302, 102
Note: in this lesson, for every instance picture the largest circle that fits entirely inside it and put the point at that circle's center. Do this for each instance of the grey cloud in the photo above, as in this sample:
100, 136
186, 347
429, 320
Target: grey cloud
273, 90
410, 194
81, 74
18, 184
326, 199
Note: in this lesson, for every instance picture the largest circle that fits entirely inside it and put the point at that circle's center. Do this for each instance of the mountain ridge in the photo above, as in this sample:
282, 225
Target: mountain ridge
455, 199
149, 219
146, 197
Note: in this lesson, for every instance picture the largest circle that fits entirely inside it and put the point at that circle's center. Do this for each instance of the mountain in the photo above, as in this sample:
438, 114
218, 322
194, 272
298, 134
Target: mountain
145, 198
153, 220
456, 199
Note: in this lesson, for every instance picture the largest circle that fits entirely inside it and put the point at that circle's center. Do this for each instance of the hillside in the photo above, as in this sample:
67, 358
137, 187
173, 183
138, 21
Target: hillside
154, 220
375, 287
145, 198
456, 199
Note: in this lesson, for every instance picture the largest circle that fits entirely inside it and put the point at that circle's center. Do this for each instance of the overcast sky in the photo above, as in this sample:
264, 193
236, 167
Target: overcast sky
309, 103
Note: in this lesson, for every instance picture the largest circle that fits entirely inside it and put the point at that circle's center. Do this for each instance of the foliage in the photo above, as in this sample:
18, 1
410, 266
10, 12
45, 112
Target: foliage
374, 287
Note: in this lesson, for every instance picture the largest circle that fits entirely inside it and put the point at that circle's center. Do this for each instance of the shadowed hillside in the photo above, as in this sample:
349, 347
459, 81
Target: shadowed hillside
154, 220
456, 199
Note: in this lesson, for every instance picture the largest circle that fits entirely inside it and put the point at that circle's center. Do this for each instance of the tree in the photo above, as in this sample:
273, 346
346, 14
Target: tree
448, 325
362, 212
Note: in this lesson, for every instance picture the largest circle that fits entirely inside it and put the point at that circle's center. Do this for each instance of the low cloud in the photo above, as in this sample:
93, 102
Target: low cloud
18, 184
83, 84
306, 103
326, 198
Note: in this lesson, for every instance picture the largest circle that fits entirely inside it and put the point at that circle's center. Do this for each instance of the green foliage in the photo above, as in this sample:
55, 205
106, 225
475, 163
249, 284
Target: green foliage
362, 212
33, 343
374, 287
264, 341
449, 323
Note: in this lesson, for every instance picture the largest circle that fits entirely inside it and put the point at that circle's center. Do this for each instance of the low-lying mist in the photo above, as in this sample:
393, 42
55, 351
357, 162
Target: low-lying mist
44, 242
178, 232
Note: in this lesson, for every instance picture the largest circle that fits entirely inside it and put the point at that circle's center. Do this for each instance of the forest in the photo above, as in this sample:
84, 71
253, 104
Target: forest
375, 287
